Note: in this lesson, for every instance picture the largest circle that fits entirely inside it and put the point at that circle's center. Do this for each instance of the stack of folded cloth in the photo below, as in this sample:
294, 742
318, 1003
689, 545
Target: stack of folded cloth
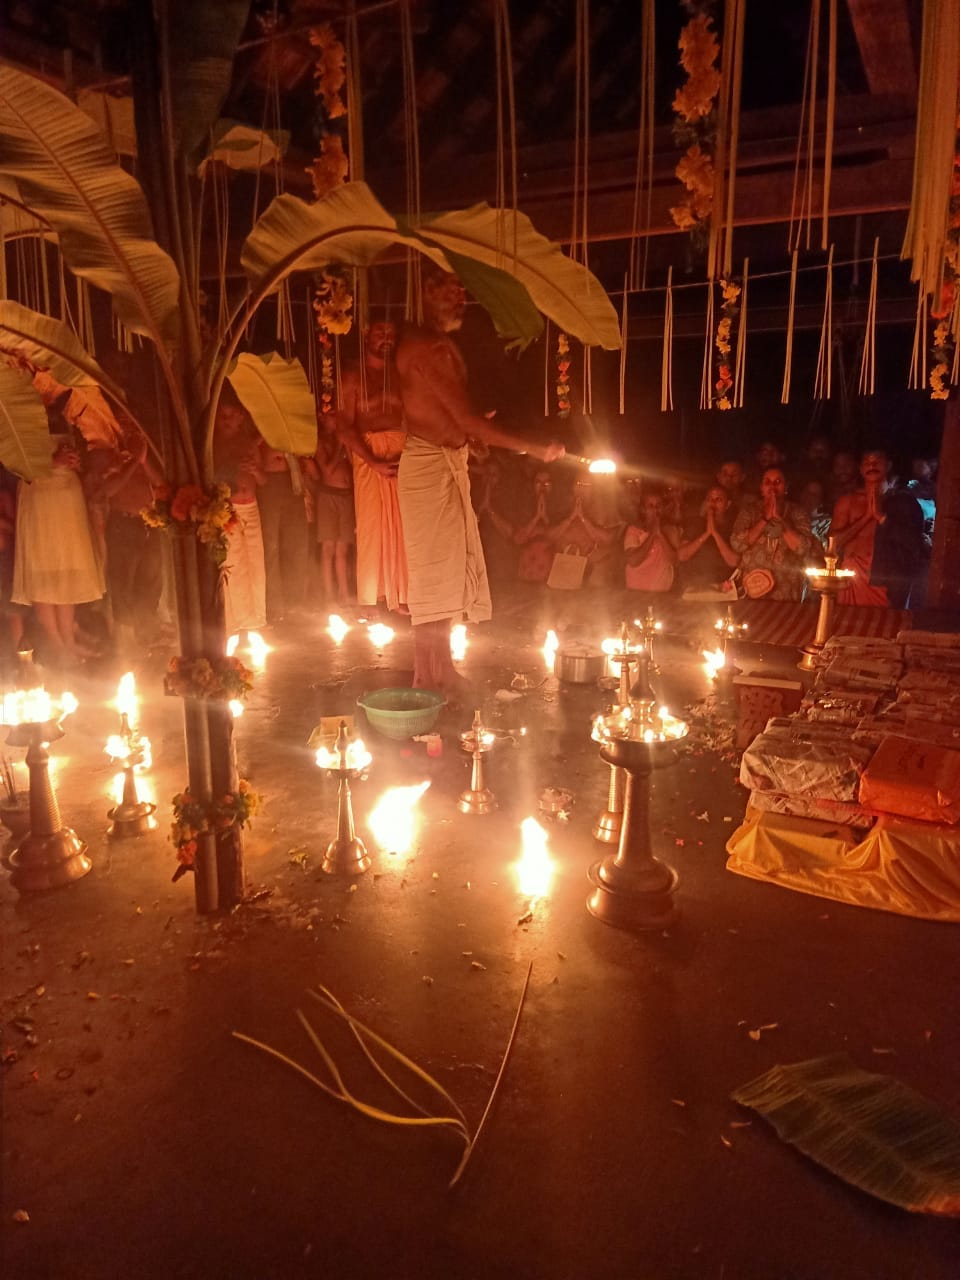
810, 770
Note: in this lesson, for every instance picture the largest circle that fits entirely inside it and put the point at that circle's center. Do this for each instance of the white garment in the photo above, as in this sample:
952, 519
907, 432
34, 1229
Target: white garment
245, 585
54, 557
447, 572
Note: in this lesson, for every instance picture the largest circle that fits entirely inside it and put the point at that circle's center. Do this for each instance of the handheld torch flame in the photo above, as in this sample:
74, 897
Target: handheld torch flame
603, 467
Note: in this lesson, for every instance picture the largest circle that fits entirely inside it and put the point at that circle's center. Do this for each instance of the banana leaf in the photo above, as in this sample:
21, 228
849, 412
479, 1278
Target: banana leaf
204, 35
870, 1130
68, 175
276, 394
243, 148
51, 345
504, 299
347, 225
24, 433
564, 290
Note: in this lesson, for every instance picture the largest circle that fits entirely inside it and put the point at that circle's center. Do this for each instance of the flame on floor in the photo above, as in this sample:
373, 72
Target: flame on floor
535, 868
394, 819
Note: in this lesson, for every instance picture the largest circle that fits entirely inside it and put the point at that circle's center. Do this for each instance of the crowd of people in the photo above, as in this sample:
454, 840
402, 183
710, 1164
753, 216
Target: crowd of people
415, 502
751, 530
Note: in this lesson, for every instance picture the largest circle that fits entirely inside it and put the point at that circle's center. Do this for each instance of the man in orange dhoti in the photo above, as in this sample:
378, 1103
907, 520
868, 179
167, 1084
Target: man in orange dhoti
369, 421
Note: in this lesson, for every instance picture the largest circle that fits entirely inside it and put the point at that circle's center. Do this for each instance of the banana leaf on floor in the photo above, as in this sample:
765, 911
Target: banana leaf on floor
869, 1129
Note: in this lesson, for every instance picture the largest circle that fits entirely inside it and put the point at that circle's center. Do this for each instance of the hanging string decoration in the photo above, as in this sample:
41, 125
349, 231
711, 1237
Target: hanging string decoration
945, 310
932, 238
666, 364
694, 105
868, 359
823, 383
563, 375
645, 144
729, 309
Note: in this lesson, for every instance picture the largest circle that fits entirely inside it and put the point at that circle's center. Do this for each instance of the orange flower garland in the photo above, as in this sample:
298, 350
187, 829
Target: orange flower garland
210, 514
563, 375
694, 105
730, 292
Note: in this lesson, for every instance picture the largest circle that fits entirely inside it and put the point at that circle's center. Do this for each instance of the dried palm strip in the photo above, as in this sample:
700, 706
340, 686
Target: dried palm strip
666, 367
355, 152
643, 180
720, 243
44, 274
798, 196
413, 309
830, 119
740, 356
547, 381
868, 359
823, 383
624, 310
917, 378
706, 375
791, 315
926, 234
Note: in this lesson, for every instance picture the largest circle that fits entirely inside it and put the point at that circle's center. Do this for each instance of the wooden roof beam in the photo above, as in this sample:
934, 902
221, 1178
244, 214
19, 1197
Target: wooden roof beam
882, 28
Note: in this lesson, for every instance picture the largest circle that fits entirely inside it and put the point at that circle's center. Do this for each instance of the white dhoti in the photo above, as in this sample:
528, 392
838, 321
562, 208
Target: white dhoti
245, 586
55, 561
447, 573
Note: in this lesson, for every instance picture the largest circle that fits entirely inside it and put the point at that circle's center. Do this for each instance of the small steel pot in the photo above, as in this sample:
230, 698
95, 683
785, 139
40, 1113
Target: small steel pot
579, 667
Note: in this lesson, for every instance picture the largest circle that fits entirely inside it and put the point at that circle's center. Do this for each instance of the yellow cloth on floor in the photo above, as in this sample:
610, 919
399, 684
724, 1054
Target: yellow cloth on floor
447, 573
911, 868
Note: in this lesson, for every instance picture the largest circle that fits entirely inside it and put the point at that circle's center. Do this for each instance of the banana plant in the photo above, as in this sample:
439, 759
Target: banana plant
139, 242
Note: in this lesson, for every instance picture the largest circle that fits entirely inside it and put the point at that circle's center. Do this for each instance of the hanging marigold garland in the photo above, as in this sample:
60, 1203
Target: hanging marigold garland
563, 375
729, 308
332, 300
694, 104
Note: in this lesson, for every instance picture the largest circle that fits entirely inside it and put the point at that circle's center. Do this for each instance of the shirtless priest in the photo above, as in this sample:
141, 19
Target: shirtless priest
447, 574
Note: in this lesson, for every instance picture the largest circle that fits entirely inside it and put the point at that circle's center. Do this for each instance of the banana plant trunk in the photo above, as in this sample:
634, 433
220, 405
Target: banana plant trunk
208, 725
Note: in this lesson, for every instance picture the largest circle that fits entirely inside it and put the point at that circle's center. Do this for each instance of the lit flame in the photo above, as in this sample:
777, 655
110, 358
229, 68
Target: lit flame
535, 868
145, 788
816, 572
236, 708
121, 749
336, 628
458, 642
127, 700
258, 649
380, 634
393, 819
36, 706
358, 757
648, 623
603, 467
713, 662
232, 643
550, 647
610, 646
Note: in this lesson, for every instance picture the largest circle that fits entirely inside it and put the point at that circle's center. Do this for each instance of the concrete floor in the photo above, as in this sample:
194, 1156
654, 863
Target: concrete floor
143, 1140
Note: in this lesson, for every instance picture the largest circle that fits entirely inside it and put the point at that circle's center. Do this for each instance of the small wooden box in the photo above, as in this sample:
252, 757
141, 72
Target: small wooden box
759, 698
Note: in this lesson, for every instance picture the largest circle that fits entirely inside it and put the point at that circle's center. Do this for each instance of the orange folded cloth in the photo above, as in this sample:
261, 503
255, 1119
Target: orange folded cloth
913, 779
